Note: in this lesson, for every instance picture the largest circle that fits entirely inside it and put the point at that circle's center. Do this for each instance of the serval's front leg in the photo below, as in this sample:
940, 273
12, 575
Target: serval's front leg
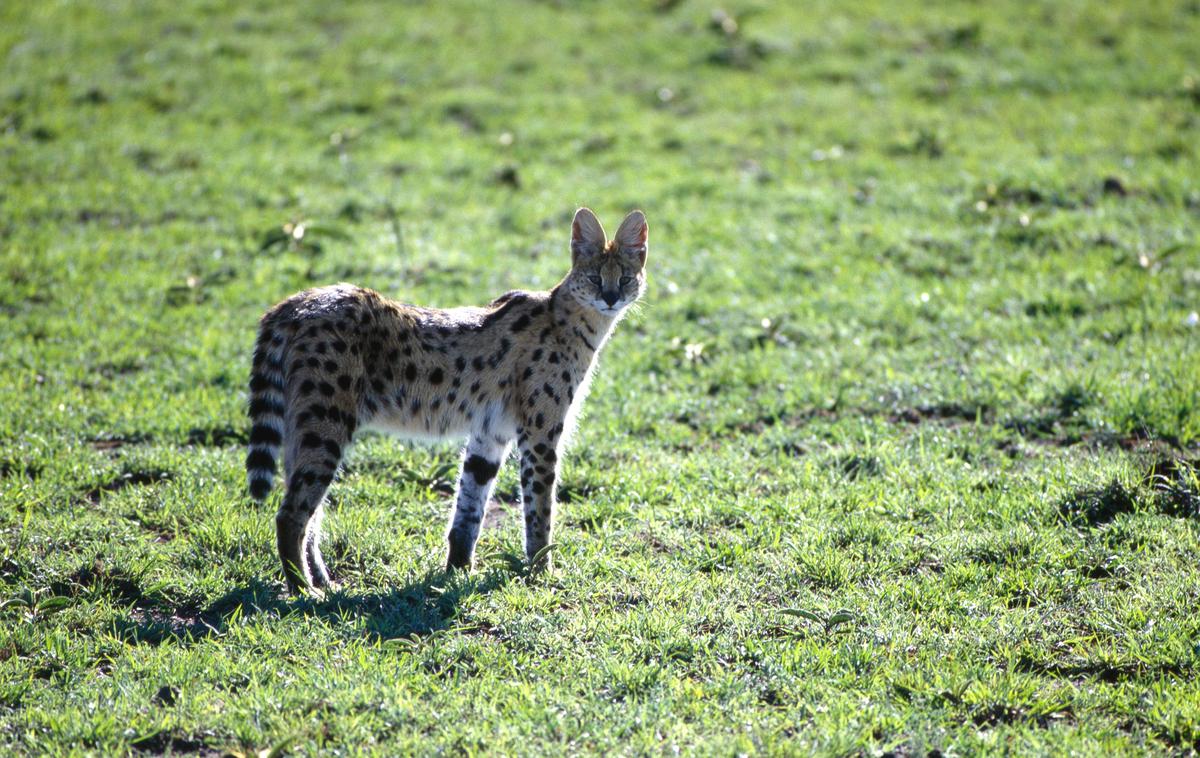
481, 462
539, 480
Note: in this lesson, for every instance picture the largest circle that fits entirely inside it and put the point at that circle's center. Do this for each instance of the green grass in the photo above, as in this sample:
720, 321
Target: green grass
895, 458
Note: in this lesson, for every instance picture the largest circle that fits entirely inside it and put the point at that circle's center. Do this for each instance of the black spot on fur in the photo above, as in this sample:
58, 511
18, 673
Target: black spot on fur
436, 376
520, 323
326, 389
344, 381
481, 468
410, 372
460, 364
509, 301
333, 448
307, 386
312, 439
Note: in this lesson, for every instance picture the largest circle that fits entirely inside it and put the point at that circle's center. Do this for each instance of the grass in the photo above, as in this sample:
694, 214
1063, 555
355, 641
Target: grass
899, 457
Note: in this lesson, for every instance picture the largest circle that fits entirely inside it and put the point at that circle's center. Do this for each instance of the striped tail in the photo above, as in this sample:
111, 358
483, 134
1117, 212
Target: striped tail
266, 411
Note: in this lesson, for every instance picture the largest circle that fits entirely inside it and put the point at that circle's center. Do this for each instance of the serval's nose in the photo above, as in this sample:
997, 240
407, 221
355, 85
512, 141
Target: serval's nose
611, 297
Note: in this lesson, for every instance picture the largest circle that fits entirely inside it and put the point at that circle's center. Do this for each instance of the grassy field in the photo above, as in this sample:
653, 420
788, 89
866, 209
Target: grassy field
899, 457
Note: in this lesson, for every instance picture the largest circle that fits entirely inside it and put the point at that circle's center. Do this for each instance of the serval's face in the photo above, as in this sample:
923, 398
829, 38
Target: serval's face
607, 276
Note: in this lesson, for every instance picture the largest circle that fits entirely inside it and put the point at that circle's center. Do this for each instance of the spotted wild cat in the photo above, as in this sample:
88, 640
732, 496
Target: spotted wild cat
333, 360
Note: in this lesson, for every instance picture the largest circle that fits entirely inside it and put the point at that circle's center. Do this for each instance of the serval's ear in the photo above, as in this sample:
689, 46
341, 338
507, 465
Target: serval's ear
587, 236
632, 237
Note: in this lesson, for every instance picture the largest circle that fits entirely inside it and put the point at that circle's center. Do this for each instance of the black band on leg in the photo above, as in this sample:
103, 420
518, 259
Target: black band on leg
481, 468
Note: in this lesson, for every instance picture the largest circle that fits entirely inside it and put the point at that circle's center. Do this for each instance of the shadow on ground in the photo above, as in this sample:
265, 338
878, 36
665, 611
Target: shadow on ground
427, 604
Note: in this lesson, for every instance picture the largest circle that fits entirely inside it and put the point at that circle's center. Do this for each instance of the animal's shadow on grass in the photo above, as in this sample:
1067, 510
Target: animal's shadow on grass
426, 604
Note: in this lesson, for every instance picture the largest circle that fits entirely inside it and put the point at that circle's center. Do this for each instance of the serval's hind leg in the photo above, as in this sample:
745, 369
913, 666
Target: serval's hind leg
312, 550
315, 453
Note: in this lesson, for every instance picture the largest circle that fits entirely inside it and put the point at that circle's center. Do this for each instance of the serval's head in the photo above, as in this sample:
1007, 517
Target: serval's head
607, 275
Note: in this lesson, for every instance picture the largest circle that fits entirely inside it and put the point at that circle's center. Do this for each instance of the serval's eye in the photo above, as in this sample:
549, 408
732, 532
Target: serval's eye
595, 280
625, 280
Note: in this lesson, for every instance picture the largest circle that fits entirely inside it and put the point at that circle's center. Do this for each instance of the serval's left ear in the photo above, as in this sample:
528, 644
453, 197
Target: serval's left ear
587, 236
632, 237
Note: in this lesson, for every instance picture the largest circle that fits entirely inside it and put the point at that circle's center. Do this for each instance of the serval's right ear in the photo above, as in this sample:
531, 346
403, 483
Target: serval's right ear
587, 236
632, 236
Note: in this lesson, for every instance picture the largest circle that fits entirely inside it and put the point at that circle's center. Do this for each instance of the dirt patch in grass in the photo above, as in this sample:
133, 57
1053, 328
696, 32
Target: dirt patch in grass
17, 469
171, 743
952, 412
571, 493
114, 442
1176, 486
161, 533
997, 714
220, 436
1093, 507
1112, 673
858, 466
114, 582
158, 624
499, 511
1173, 482
128, 479
10, 571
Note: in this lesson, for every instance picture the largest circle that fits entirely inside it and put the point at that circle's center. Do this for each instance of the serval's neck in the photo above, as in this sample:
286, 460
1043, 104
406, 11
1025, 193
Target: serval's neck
578, 323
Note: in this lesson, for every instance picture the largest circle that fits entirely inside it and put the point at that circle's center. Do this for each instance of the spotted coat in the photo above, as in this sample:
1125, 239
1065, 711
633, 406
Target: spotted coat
332, 361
